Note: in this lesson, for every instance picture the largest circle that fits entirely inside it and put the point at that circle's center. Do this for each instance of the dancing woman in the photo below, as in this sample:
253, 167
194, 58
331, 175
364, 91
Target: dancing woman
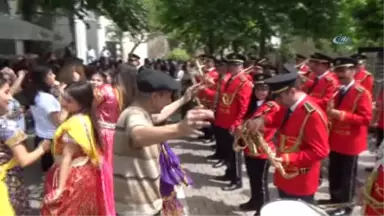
73, 185
14, 156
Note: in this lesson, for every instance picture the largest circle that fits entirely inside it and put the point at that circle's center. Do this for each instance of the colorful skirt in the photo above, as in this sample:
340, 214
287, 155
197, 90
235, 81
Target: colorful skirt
82, 194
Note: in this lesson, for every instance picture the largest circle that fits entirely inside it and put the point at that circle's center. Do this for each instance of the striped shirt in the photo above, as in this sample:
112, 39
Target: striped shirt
136, 170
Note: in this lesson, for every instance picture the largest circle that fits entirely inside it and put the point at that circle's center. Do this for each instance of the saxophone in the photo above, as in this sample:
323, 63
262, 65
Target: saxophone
255, 140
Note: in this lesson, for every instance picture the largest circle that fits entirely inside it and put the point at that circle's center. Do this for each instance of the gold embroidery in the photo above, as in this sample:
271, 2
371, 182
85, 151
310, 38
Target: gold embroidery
17, 138
368, 199
227, 99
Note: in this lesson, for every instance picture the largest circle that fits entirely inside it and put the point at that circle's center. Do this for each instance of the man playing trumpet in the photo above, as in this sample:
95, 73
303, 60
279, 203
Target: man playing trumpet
302, 140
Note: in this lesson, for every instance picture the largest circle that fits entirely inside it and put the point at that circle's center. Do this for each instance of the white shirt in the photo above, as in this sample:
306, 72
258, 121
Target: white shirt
294, 106
91, 55
45, 104
323, 75
345, 88
105, 53
259, 103
180, 75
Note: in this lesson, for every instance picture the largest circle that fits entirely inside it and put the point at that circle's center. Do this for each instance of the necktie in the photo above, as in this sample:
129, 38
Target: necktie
343, 92
286, 117
313, 85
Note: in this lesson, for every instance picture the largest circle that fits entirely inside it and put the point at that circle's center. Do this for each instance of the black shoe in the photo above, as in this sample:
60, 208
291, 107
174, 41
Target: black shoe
248, 206
340, 212
324, 202
213, 157
222, 178
368, 169
218, 164
232, 187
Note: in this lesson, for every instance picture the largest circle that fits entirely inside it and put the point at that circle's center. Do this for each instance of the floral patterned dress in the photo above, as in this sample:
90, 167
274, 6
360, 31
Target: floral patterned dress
18, 192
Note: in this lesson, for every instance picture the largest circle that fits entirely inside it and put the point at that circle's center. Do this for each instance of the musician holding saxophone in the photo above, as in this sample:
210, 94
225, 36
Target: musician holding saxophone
350, 115
302, 139
256, 160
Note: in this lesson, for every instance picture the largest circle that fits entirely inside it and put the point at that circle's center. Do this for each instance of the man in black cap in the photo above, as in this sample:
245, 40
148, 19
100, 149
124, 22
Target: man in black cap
362, 76
234, 99
137, 143
302, 140
325, 83
133, 60
350, 114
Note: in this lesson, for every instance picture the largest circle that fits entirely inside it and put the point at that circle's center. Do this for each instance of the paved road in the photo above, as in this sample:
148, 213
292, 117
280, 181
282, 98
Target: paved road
205, 197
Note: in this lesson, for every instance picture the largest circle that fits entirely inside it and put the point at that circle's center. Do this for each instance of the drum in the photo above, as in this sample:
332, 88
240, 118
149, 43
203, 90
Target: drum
291, 208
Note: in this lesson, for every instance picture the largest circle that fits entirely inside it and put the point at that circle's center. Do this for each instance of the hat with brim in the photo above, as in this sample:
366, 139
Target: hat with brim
319, 57
360, 57
283, 81
344, 62
259, 79
235, 59
149, 81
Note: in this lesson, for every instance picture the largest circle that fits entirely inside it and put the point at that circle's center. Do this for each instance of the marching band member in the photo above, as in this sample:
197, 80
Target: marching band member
363, 76
302, 140
324, 85
302, 66
235, 96
256, 161
373, 192
350, 114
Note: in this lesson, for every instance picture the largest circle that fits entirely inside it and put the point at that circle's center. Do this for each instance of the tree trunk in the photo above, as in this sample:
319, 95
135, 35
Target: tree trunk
263, 37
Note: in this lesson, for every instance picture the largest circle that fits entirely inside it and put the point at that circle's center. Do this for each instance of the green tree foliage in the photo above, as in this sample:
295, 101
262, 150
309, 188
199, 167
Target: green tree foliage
241, 25
178, 54
369, 18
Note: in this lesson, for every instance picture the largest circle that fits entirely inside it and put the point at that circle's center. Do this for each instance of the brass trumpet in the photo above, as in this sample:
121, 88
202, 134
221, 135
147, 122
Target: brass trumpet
254, 140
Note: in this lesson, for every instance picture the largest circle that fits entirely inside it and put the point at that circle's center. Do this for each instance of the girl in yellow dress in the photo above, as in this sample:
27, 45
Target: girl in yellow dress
14, 156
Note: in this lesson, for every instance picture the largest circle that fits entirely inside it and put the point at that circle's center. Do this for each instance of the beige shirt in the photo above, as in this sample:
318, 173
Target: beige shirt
136, 170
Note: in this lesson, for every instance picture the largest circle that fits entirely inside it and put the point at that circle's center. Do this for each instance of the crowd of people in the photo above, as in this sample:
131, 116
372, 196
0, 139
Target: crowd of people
101, 130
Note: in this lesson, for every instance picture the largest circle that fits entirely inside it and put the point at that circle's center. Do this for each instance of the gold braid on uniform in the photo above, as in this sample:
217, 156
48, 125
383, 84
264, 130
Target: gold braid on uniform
368, 199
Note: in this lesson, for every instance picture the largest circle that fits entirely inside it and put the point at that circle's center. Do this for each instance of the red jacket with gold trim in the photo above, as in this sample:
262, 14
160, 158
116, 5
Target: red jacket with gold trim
268, 108
235, 95
349, 132
302, 143
323, 90
365, 79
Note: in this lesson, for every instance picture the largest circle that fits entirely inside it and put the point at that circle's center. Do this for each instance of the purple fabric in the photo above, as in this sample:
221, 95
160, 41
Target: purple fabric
172, 173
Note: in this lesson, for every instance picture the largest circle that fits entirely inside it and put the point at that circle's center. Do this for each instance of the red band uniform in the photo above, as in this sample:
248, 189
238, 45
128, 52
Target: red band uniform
322, 87
363, 77
348, 137
235, 96
302, 140
373, 192
256, 162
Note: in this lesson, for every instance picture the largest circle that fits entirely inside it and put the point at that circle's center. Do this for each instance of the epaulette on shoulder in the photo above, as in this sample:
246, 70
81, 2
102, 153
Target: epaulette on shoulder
309, 107
360, 89
270, 104
329, 79
368, 73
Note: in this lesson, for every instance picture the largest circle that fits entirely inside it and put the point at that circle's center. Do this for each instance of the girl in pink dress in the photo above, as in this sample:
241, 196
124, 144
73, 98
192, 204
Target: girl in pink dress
107, 110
